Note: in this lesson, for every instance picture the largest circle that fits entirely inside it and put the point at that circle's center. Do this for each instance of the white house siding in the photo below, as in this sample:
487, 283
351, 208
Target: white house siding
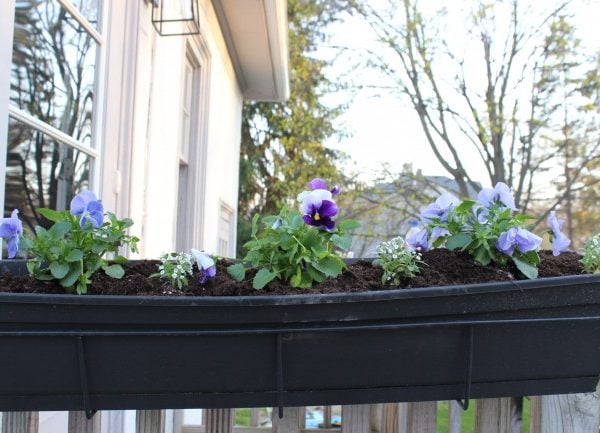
140, 172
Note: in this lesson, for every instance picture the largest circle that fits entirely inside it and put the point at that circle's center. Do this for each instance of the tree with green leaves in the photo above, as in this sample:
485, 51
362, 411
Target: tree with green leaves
282, 143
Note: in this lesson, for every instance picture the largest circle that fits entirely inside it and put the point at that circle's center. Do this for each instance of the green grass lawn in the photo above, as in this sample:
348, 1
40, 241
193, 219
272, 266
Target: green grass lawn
468, 418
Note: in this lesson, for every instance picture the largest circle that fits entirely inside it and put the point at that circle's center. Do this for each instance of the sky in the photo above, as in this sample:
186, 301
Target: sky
382, 127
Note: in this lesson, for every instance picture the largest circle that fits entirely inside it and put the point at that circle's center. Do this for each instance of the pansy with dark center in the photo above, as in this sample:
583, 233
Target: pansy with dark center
318, 209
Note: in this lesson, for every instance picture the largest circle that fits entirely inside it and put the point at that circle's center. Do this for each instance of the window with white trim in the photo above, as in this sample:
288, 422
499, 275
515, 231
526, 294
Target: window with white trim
226, 232
188, 150
52, 148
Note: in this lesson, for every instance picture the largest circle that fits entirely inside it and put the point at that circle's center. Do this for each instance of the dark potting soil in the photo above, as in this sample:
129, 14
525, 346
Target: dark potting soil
441, 267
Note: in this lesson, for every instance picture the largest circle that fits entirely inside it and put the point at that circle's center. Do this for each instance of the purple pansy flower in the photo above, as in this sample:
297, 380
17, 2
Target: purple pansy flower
206, 265
416, 239
87, 206
560, 242
500, 193
319, 183
10, 230
519, 238
318, 208
440, 208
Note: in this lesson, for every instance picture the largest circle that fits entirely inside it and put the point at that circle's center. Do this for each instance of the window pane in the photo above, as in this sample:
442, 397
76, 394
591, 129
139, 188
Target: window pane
53, 71
40, 172
89, 10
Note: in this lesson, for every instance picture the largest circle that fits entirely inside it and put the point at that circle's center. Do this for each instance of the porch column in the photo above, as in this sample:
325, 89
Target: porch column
20, 422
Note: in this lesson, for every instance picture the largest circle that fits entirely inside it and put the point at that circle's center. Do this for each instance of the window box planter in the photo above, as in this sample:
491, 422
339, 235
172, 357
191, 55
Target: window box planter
73, 352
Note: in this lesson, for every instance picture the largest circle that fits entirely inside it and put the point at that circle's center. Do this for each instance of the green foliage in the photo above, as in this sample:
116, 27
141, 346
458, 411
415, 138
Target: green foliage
288, 249
397, 261
282, 143
476, 229
71, 254
591, 255
176, 268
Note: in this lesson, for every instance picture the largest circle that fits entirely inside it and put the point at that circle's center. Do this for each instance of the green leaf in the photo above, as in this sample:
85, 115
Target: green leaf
120, 260
237, 271
482, 255
348, 225
296, 279
31, 266
311, 239
459, 240
526, 269
255, 224
330, 266
114, 271
342, 242
464, 206
319, 251
40, 231
71, 277
74, 256
59, 270
316, 275
262, 278
81, 288
52, 215
59, 229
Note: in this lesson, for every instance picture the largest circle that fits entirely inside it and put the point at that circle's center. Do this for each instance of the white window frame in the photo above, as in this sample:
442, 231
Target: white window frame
7, 10
7, 110
196, 50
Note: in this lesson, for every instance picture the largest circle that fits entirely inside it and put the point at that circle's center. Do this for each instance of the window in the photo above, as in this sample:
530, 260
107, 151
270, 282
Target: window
52, 147
188, 150
226, 232
192, 146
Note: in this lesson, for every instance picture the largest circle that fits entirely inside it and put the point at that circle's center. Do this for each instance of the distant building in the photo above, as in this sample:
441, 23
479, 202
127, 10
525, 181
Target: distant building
389, 209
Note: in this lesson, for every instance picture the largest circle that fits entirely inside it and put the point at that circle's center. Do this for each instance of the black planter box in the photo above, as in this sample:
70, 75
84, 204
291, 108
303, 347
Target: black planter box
67, 352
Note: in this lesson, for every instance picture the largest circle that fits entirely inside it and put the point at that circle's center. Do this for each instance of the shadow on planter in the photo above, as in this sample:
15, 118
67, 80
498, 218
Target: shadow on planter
68, 352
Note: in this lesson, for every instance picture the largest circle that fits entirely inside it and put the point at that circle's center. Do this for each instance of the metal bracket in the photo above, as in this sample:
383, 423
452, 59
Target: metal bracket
89, 413
279, 374
464, 403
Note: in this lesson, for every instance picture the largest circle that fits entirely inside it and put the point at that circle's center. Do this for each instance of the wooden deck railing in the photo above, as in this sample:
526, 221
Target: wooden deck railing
551, 414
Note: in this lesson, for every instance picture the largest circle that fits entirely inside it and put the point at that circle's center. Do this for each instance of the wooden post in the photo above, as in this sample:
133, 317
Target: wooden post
454, 417
494, 415
219, 420
389, 417
254, 416
291, 421
20, 422
356, 418
572, 413
535, 414
418, 417
326, 416
150, 421
78, 423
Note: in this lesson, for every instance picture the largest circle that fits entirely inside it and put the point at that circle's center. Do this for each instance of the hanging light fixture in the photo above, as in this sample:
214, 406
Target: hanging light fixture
176, 17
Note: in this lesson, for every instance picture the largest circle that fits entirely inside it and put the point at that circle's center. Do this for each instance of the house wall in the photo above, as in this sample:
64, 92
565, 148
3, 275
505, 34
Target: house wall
140, 170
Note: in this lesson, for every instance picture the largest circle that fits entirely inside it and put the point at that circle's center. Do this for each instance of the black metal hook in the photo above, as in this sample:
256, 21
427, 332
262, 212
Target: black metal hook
464, 403
279, 375
89, 413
